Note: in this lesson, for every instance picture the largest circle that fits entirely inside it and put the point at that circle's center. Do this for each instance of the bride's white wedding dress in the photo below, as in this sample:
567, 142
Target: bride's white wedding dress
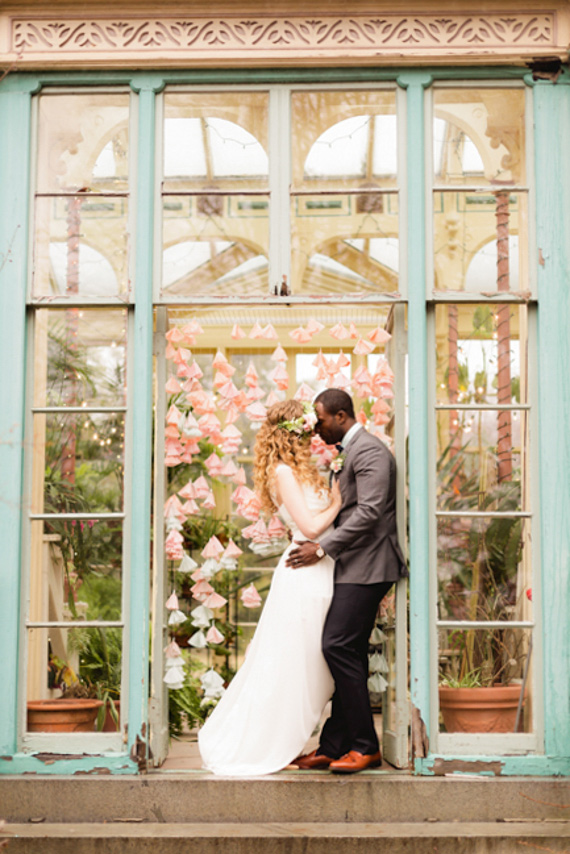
276, 698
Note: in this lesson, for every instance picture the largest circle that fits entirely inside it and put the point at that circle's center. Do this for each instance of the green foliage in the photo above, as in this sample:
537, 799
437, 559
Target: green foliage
185, 707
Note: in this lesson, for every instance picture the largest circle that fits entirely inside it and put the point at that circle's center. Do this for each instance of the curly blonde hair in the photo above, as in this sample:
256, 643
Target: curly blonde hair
274, 445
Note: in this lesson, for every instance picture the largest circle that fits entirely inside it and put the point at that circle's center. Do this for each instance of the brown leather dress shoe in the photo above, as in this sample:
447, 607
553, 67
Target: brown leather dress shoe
355, 761
312, 761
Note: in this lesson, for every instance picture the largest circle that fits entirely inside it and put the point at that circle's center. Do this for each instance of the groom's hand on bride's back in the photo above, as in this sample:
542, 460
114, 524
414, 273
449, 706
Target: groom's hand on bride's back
303, 554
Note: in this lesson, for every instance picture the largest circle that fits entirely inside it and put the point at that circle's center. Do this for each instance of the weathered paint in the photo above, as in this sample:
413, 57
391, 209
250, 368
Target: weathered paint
415, 84
22, 763
504, 766
15, 117
552, 168
140, 394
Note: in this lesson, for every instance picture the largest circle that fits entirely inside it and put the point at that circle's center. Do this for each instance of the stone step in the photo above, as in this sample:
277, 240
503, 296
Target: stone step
286, 797
289, 838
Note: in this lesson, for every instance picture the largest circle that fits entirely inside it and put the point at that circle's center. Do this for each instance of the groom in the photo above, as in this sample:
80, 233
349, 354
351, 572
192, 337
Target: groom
368, 560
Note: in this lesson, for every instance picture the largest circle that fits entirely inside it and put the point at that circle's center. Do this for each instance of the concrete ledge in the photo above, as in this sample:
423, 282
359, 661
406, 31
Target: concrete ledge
289, 798
290, 838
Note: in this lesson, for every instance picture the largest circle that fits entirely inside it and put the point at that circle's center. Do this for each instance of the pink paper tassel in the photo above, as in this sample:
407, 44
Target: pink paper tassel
173, 386
172, 602
232, 550
304, 392
213, 635
214, 600
250, 597
213, 548
339, 332
279, 354
363, 348
379, 335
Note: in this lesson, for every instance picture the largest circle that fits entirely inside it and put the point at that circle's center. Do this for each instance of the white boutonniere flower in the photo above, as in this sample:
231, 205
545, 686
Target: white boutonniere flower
338, 462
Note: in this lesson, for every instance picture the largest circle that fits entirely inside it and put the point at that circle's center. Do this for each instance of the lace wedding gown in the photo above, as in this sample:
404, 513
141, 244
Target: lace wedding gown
276, 698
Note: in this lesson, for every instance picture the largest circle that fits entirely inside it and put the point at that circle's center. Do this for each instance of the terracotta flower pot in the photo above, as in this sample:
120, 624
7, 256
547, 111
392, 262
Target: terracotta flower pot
479, 709
109, 724
62, 715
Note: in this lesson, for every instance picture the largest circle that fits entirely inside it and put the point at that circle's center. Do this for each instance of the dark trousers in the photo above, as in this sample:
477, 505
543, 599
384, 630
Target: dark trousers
348, 626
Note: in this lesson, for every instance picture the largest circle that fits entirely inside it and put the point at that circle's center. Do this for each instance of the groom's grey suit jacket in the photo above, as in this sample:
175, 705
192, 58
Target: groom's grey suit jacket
364, 543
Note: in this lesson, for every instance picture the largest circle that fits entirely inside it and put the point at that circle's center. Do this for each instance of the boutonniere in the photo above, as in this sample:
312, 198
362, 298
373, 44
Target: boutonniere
338, 462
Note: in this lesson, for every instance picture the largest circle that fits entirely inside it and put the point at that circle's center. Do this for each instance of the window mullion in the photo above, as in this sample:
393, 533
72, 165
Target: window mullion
279, 183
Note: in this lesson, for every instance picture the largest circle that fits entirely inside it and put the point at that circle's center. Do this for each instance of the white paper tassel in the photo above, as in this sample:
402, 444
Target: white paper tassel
174, 678
377, 684
198, 640
213, 684
176, 617
377, 636
377, 663
210, 567
201, 616
187, 564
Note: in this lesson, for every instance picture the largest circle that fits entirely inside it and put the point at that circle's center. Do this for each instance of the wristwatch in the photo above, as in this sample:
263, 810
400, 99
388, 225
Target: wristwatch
320, 552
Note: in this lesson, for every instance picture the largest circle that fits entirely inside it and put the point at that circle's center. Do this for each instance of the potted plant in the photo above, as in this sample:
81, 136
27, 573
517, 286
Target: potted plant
74, 711
483, 670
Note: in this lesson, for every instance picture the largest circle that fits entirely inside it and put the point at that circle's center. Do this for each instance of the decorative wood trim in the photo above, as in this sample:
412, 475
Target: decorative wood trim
403, 35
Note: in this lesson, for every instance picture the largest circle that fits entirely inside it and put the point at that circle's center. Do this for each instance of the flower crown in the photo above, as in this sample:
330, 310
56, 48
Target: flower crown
305, 423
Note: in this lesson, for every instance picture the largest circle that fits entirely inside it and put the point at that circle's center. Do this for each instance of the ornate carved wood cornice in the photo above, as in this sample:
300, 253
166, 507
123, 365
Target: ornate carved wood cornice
191, 41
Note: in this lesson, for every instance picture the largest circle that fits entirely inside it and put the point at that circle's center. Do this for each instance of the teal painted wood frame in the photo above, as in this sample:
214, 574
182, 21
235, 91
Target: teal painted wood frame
552, 131
141, 418
15, 122
552, 114
418, 515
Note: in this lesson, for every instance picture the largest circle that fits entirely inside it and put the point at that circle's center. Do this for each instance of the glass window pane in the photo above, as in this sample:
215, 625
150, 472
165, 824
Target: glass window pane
83, 142
484, 568
481, 354
479, 461
80, 357
83, 461
344, 242
344, 139
482, 680
215, 246
479, 136
74, 680
215, 139
81, 247
481, 241
344, 245
76, 569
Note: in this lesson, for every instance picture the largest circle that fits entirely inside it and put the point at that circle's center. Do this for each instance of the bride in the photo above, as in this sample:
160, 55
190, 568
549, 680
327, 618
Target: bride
276, 699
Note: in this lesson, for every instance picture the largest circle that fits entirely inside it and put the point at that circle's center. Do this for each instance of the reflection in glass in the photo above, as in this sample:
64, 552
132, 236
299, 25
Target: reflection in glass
478, 354
81, 247
80, 357
79, 666
76, 569
215, 139
488, 666
469, 466
343, 138
84, 459
480, 241
215, 245
483, 568
350, 252
344, 224
479, 136
83, 142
